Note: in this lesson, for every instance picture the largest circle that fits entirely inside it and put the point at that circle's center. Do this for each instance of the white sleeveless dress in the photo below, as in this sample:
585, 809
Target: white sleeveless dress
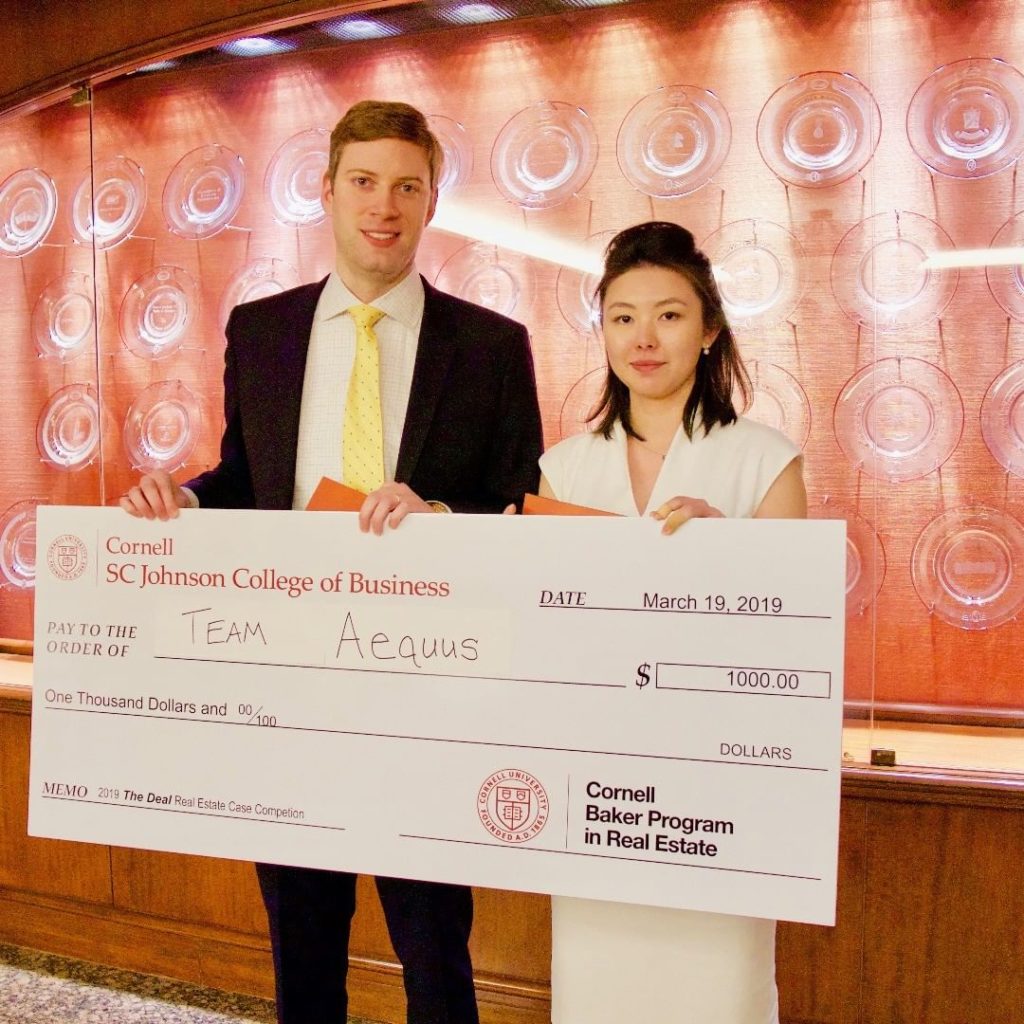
615, 962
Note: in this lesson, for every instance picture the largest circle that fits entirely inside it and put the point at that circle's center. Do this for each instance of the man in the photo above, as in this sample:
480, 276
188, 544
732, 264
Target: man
459, 428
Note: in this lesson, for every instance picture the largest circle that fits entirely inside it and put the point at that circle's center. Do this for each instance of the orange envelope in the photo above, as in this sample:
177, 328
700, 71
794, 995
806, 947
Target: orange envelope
535, 505
333, 496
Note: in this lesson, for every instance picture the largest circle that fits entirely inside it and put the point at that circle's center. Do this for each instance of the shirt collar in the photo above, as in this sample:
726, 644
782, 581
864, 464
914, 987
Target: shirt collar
404, 302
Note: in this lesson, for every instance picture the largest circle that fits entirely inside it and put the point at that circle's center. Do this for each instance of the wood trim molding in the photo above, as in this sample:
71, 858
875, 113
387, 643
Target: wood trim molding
935, 714
940, 786
232, 961
76, 43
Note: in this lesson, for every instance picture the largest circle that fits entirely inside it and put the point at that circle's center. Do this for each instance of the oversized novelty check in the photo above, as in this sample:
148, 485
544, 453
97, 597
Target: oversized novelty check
564, 705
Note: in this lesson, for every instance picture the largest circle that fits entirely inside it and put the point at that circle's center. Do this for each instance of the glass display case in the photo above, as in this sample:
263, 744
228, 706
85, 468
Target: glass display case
858, 198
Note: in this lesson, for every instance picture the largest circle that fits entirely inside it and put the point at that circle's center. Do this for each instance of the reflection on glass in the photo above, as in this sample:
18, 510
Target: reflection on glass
966, 119
1002, 419
63, 317
162, 426
581, 401
203, 191
818, 129
18, 545
28, 207
120, 201
489, 276
968, 567
257, 279
759, 269
674, 141
865, 564
295, 177
544, 155
457, 167
879, 276
899, 419
68, 432
576, 290
1006, 283
778, 400
157, 311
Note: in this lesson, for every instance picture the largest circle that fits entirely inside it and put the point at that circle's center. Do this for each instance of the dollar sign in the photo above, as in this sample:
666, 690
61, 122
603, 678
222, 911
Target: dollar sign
643, 674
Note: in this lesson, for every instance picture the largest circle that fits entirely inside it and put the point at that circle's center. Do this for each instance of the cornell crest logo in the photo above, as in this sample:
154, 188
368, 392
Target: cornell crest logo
67, 557
512, 805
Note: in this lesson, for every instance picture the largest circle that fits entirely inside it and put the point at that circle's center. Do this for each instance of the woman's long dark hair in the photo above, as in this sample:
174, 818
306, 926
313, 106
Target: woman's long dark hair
720, 372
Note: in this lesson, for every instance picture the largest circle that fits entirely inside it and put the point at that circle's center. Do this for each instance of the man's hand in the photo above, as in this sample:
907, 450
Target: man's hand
388, 506
155, 496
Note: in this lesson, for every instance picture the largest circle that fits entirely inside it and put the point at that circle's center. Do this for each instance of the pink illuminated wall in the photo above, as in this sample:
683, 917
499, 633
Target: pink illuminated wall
952, 341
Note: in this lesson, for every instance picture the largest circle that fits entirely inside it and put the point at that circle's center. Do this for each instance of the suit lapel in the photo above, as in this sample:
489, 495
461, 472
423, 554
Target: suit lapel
433, 358
286, 341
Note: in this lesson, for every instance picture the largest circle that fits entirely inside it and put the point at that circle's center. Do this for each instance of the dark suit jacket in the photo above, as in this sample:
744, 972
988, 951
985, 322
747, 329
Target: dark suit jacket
472, 433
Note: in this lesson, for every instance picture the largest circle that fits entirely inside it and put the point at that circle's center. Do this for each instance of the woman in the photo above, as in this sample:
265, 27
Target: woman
670, 445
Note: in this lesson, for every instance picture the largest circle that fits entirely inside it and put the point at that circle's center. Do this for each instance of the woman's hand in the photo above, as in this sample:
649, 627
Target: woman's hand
678, 510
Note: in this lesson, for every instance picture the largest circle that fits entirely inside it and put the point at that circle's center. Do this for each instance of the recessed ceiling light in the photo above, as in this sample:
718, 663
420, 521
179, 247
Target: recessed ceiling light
474, 14
256, 46
358, 28
158, 65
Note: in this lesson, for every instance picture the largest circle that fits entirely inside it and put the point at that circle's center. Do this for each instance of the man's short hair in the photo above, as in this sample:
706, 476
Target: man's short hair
370, 120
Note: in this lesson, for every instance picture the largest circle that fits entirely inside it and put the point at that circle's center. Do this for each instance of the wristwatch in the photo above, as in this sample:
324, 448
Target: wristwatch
438, 506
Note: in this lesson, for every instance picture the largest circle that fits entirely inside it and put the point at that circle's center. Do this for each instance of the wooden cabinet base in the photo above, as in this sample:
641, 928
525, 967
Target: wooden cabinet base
216, 958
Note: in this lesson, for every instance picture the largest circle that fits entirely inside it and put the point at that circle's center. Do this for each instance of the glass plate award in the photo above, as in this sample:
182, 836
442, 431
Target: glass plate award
18, 545
157, 312
674, 141
575, 289
68, 432
295, 178
865, 564
1006, 283
968, 567
489, 276
64, 316
880, 277
818, 129
203, 191
162, 426
966, 119
581, 402
778, 401
28, 207
1002, 419
256, 280
899, 419
109, 211
759, 269
544, 155
458, 152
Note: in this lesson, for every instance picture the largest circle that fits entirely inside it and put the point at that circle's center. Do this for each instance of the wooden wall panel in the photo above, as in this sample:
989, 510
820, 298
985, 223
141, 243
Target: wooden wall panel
929, 927
944, 914
78, 871
195, 890
819, 969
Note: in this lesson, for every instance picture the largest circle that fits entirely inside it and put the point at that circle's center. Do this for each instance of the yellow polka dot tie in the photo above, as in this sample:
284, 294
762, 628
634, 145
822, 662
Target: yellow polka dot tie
363, 434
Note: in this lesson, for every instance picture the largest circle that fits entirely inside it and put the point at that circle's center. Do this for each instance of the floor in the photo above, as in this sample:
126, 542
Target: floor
38, 988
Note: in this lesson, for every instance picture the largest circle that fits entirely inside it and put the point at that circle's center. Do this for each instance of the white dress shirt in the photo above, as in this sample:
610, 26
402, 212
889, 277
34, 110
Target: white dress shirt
332, 348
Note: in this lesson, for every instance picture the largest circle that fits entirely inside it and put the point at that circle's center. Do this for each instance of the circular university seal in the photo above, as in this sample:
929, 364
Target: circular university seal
512, 805
67, 557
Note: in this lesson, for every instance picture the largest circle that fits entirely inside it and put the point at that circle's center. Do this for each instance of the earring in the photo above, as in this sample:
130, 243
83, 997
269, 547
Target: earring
707, 350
